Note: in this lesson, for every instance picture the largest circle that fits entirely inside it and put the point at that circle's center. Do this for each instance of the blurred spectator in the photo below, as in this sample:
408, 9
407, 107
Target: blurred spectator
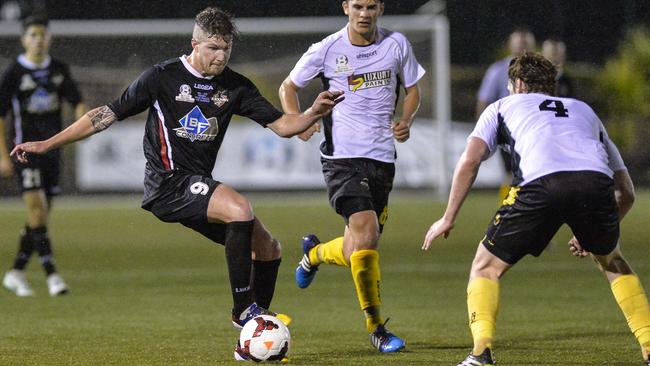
495, 86
495, 81
555, 51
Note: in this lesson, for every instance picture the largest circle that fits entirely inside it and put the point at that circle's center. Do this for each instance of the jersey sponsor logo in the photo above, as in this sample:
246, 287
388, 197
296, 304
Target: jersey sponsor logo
42, 101
220, 97
366, 55
342, 66
196, 127
369, 80
185, 94
27, 83
202, 97
203, 86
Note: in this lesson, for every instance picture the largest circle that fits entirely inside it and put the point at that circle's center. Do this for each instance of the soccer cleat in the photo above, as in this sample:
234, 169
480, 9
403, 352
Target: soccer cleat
15, 281
385, 341
254, 310
55, 285
305, 272
484, 359
239, 353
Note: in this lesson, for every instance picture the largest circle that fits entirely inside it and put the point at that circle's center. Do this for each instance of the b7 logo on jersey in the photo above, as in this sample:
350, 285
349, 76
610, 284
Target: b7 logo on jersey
195, 126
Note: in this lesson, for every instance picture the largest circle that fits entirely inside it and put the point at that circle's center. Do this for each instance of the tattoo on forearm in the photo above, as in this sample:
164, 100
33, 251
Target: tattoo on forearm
102, 118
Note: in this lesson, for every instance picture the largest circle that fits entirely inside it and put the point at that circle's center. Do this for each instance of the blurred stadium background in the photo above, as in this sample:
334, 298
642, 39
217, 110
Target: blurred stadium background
109, 43
147, 293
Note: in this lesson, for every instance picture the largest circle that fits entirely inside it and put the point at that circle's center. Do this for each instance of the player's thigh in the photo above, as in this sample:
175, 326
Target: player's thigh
356, 185
523, 225
594, 217
184, 199
487, 265
227, 205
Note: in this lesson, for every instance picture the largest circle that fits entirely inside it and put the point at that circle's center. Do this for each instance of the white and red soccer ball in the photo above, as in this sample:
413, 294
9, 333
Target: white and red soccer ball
265, 338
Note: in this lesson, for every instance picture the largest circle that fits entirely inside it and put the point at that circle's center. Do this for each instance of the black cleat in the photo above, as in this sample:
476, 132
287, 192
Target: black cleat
484, 359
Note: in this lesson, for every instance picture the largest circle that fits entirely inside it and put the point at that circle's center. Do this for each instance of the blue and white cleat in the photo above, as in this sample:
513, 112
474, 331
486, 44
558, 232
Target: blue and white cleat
254, 310
305, 272
385, 341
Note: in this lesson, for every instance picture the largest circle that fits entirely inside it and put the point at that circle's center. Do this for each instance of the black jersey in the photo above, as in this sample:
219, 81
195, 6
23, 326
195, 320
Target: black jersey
188, 116
33, 93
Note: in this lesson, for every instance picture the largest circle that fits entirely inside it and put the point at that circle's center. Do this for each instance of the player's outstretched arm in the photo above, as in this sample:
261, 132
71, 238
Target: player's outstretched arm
288, 94
464, 176
292, 124
90, 123
6, 167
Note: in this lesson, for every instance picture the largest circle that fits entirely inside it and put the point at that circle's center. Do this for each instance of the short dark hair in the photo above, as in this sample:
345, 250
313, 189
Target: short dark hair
535, 71
35, 20
217, 22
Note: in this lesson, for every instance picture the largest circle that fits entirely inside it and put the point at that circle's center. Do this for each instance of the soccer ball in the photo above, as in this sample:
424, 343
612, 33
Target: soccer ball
265, 338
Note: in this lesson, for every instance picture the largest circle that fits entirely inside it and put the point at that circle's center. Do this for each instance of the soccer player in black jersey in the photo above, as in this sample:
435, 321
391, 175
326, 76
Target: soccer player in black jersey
190, 101
32, 89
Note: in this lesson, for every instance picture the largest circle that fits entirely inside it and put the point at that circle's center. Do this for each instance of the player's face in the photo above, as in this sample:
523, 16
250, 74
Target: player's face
213, 54
36, 40
362, 15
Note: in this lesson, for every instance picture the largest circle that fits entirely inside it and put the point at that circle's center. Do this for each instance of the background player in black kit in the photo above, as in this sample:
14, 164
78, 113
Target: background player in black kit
191, 100
32, 89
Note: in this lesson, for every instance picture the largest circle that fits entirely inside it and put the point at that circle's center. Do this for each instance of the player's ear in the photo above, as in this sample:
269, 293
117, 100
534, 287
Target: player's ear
381, 8
345, 7
194, 43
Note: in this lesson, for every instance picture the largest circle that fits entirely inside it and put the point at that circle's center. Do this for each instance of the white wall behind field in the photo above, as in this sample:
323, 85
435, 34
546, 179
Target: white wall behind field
254, 158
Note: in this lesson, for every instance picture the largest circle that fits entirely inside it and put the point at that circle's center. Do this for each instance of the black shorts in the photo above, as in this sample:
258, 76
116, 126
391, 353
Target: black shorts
359, 184
532, 214
184, 199
40, 172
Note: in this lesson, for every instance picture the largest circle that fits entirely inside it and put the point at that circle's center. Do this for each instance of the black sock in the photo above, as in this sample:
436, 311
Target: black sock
42, 244
265, 273
25, 249
238, 258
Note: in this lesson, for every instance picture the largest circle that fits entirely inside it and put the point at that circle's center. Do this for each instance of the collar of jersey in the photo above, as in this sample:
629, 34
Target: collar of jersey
378, 37
192, 70
22, 59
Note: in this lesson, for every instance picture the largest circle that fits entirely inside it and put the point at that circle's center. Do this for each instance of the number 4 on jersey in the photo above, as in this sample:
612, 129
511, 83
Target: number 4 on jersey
558, 107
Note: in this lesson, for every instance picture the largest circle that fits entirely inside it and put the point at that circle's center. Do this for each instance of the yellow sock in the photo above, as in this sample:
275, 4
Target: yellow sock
364, 265
482, 308
330, 253
632, 300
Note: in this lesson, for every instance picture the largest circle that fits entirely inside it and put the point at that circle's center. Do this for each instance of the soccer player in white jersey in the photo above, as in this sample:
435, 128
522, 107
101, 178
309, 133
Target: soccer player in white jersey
566, 171
371, 65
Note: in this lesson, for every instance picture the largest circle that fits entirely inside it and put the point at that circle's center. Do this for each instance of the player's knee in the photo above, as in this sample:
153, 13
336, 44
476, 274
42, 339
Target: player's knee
365, 230
614, 264
240, 210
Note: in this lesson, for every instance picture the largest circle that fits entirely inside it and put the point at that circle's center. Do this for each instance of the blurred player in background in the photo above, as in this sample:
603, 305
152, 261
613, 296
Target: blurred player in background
555, 51
566, 170
33, 89
495, 86
191, 100
358, 153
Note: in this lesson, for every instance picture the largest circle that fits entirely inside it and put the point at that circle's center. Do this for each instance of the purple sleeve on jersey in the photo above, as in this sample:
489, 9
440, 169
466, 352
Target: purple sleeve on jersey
412, 71
139, 96
308, 67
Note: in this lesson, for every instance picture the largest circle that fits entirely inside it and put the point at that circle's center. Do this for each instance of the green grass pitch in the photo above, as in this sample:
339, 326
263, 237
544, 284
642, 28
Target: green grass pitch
148, 293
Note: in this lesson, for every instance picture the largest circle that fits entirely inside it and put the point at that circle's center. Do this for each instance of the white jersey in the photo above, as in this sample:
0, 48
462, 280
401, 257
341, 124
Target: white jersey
371, 77
547, 134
